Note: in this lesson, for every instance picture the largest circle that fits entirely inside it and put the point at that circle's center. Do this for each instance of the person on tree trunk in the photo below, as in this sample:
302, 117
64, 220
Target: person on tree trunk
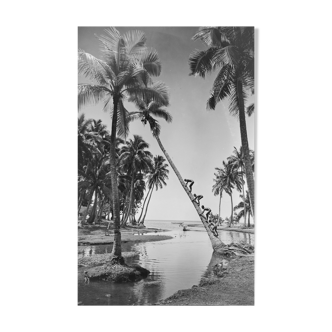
191, 183
197, 199
207, 213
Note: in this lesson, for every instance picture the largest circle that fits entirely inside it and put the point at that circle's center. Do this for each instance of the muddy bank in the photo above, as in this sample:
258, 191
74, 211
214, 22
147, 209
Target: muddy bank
233, 285
100, 259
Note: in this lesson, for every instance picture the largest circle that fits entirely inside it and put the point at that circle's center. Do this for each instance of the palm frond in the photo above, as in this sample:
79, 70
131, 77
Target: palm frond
234, 97
88, 93
93, 68
151, 62
161, 113
250, 109
201, 62
122, 120
135, 41
157, 92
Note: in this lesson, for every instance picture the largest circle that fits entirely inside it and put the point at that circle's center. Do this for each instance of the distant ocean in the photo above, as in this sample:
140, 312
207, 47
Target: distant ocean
168, 224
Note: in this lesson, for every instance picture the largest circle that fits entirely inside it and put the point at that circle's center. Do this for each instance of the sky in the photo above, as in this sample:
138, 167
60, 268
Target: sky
197, 140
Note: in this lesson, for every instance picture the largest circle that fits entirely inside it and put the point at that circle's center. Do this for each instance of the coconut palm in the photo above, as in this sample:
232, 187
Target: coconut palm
134, 158
230, 178
156, 179
125, 71
245, 206
236, 161
148, 109
218, 187
231, 52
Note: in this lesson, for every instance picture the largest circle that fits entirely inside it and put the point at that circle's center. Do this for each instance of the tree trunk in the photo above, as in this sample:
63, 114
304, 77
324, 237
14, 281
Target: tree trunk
116, 251
231, 223
219, 206
147, 205
249, 218
130, 197
95, 214
92, 217
100, 215
87, 208
244, 201
217, 244
245, 146
139, 219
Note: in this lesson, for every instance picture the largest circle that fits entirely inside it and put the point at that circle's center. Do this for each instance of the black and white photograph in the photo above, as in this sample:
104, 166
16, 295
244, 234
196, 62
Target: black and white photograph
166, 166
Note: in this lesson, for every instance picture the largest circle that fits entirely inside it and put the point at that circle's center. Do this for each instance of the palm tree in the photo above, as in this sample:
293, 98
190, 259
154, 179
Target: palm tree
134, 159
148, 109
125, 71
246, 208
156, 178
231, 52
230, 178
236, 161
218, 187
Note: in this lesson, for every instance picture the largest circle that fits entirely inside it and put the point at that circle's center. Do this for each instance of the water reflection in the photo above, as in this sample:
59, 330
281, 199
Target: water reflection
174, 264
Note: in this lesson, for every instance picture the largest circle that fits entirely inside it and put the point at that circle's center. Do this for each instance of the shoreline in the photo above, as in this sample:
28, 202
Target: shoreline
234, 286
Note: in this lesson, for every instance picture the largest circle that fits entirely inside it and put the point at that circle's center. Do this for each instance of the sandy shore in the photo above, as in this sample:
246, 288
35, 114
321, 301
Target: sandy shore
93, 235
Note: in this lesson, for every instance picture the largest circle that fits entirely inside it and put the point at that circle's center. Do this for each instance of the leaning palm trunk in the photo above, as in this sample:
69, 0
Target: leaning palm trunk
217, 244
139, 219
116, 251
147, 205
245, 146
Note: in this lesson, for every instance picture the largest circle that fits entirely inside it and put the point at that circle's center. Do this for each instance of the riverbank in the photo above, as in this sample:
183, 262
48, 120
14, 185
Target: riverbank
231, 285
98, 234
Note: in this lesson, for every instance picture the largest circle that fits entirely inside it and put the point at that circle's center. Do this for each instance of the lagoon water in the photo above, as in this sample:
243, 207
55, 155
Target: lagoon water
175, 264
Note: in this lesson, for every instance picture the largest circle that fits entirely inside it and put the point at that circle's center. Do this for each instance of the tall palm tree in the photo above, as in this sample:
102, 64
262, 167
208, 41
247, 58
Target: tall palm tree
218, 187
135, 159
125, 71
245, 206
231, 52
157, 178
236, 161
230, 179
148, 109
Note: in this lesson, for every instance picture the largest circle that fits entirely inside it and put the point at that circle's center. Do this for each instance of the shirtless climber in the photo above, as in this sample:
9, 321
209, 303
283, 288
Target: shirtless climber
190, 185
197, 199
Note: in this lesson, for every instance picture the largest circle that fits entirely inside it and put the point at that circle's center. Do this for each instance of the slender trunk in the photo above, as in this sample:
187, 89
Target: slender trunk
219, 207
248, 218
245, 146
231, 223
100, 215
116, 251
87, 208
217, 244
147, 205
139, 219
95, 216
244, 201
130, 196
